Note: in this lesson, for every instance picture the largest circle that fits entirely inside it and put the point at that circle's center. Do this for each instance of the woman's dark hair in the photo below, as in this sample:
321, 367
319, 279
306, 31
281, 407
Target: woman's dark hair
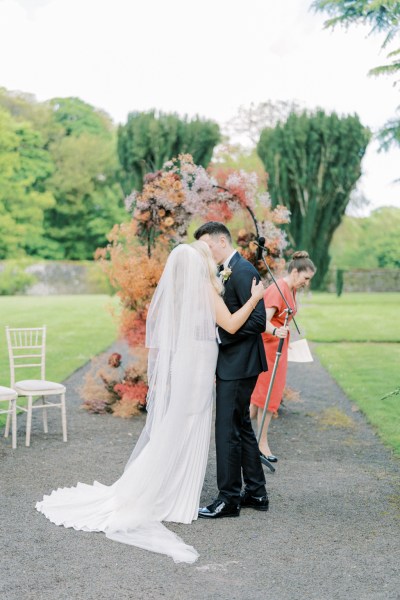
213, 228
302, 262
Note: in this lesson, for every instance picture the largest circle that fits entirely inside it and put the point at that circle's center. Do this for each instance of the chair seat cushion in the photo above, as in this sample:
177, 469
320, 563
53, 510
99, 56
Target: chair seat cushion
7, 393
38, 386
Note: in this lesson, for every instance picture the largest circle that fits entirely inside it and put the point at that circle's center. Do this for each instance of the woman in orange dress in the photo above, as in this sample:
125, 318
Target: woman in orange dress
300, 272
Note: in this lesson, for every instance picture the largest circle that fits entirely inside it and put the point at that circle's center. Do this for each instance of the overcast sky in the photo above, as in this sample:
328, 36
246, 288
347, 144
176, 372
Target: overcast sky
204, 58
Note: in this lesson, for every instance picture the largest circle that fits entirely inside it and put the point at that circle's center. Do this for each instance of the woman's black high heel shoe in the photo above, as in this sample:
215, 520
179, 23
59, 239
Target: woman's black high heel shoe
265, 460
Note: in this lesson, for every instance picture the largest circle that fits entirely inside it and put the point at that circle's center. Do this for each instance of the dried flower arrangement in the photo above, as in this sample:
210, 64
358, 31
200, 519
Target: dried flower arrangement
136, 253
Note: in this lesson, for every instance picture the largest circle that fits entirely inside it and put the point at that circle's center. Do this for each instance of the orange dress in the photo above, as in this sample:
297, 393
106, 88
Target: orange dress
273, 299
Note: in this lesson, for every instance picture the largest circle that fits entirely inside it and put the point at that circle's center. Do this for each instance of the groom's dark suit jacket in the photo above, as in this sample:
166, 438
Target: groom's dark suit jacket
242, 354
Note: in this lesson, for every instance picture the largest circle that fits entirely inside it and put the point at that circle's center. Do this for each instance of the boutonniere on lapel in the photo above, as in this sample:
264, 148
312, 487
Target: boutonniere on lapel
225, 274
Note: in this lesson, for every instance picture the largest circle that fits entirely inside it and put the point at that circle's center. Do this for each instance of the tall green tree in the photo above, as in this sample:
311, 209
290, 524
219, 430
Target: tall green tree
380, 15
149, 139
314, 162
368, 242
25, 167
89, 199
383, 16
77, 117
24, 107
65, 191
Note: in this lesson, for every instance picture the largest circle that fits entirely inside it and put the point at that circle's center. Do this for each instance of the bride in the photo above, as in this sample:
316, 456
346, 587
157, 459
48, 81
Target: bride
163, 478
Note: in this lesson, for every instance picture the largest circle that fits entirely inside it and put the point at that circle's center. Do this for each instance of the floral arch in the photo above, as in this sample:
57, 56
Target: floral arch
161, 216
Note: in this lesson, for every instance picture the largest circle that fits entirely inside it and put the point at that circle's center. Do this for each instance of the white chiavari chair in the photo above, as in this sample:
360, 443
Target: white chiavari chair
26, 350
9, 396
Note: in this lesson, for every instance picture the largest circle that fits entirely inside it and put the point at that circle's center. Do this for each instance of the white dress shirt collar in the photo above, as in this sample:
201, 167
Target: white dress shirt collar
228, 260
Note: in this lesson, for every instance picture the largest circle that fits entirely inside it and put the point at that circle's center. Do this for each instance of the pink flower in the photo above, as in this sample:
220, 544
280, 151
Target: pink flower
130, 201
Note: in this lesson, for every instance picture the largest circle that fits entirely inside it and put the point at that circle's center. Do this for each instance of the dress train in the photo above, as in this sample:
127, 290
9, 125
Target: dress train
157, 486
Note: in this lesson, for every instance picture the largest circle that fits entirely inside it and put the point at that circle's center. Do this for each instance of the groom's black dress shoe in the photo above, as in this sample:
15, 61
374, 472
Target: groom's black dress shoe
218, 510
257, 502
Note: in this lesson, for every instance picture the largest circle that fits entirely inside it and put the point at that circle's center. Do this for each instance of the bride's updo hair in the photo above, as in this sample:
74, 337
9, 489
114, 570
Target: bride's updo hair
301, 261
203, 249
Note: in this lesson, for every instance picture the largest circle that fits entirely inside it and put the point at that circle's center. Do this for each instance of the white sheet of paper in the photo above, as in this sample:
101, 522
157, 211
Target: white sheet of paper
299, 352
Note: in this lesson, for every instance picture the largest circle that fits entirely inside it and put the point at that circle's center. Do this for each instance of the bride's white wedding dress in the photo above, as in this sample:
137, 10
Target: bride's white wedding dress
163, 478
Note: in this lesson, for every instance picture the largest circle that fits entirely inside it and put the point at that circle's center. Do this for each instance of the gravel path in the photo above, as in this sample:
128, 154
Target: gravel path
332, 532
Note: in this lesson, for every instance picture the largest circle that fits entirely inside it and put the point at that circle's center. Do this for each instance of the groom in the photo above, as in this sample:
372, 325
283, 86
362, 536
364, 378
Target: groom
241, 358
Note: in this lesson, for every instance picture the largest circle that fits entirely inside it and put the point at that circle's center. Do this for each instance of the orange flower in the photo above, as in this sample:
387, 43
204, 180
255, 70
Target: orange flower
253, 247
133, 329
143, 216
169, 222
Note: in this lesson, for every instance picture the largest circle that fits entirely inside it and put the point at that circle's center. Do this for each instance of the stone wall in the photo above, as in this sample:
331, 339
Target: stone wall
365, 280
58, 277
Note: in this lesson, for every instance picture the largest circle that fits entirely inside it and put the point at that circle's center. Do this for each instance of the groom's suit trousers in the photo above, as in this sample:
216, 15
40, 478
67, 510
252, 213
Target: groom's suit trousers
236, 444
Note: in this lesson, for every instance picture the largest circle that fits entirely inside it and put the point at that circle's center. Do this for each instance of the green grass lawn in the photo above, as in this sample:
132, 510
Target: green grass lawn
78, 328
358, 339
351, 318
367, 372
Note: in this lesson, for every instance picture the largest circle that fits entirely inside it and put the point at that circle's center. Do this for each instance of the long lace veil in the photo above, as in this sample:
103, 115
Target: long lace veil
180, 317
180, 336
